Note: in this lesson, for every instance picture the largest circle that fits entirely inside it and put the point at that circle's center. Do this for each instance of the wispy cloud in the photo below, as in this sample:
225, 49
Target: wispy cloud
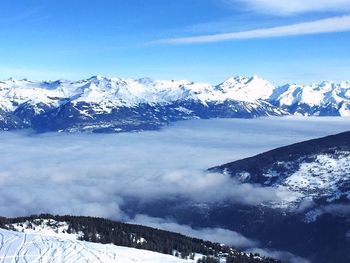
328, 25
334, 209
278, 7
34, 14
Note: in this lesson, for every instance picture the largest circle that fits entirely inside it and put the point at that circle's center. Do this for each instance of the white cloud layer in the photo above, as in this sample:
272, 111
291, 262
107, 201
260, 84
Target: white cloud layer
280, 7
91, 174
334, 209
328, 25
216, 234
284, 256
96, 174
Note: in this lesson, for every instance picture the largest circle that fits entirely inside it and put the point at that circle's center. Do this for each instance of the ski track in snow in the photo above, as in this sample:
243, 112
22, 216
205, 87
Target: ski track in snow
18, 247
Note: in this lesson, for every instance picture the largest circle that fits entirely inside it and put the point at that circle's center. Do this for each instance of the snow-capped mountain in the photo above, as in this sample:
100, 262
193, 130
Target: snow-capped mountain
246, 89
110, 93
324, 99
101, 104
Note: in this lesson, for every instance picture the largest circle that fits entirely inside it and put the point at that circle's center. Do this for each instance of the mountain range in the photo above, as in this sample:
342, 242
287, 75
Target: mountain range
101, 104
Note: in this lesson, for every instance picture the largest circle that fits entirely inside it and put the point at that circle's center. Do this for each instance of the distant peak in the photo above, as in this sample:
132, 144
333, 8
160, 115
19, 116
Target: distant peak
242, 80
145, 80
255, 77
235, 79
326, 83
11, 80
97, 77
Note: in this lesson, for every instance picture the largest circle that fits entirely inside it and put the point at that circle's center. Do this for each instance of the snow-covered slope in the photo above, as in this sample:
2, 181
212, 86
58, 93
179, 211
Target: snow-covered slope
47, 238
317, 170
246, 89
312, 217
29, 248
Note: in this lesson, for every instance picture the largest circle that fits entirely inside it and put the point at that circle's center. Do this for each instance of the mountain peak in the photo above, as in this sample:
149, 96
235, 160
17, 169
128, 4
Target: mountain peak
244, 88
145, 80
235, 79
96, 78
256, 78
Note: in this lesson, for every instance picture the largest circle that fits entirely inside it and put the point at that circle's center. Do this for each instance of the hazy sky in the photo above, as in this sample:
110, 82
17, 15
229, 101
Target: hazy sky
200, 40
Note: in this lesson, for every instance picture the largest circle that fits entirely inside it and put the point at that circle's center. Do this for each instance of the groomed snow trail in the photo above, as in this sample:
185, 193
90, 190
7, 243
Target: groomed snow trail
18, 247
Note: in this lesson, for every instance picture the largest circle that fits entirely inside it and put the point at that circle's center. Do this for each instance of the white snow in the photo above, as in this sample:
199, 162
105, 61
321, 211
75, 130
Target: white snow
103, 94
318, 176
48, 227
321, 95
29, 248
246, 89
322, 176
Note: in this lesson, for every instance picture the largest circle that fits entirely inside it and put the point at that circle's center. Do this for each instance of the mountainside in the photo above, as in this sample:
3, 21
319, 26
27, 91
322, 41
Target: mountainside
306, 220
101, 104
317, 172
55, 239
318, 168
9, 121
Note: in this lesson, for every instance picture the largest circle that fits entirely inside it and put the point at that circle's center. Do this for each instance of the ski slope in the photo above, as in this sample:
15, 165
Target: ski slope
18, 247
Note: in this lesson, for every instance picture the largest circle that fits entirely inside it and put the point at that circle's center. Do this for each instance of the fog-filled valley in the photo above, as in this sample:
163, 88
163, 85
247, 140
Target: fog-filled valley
90, 174
121, 176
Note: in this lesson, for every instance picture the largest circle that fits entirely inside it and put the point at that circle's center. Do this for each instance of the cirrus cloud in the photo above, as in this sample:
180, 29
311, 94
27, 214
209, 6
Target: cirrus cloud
329, 25
278, 7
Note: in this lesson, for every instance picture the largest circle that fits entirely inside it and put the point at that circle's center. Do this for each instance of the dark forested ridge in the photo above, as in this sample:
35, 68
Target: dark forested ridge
105, 231
318, 171
257, 165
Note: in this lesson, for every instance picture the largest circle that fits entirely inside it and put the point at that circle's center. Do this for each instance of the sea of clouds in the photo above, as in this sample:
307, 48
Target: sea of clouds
95, 174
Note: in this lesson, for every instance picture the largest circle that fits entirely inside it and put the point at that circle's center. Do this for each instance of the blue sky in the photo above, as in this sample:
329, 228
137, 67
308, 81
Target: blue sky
199, 40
